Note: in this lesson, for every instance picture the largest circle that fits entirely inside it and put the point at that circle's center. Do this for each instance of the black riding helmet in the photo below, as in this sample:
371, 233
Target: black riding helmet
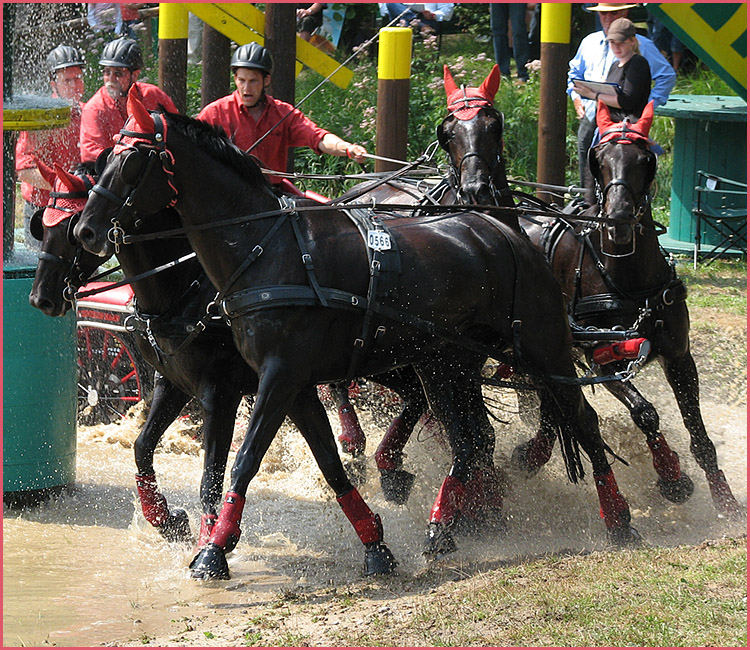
252, 56
122, 53
64, 56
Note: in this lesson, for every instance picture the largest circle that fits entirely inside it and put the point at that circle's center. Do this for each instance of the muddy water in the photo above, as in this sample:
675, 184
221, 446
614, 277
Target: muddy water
87, 569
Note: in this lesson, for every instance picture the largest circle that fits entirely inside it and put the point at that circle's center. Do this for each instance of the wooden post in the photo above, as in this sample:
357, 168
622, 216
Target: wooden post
173, 33
555, 40
394, 70
215, 81
281, 35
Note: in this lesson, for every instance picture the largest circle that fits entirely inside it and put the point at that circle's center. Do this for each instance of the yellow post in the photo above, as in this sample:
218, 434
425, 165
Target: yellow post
173, 34
554, 43
394, 71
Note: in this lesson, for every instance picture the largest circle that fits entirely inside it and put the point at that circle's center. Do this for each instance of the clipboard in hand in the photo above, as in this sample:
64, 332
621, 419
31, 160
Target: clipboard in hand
603, 87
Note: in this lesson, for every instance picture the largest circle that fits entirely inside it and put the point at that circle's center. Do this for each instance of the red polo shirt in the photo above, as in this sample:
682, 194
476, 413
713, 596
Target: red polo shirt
102, 117
50, 146
297, 130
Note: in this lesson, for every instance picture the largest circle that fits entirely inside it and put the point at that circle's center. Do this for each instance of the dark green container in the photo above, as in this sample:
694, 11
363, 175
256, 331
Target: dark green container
39, 390
709, 134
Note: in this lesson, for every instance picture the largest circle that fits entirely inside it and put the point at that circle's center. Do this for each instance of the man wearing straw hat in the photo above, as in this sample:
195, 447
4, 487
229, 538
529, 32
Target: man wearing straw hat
593, 61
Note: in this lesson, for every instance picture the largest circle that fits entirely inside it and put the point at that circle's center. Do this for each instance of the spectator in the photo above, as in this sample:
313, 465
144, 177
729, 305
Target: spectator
669, 45
105, 113
249, 112
309, 18
65, 65
593, 61
427, 17
500, 13
630, 71
104, 16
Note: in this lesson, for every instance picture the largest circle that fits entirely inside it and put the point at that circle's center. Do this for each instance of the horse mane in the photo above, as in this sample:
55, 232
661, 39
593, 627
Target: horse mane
214, 141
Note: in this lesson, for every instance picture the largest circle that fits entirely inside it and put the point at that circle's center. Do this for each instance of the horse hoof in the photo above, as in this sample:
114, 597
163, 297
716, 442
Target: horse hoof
356, 469
439, 542
624, 536
177, 527
677, 491
210, 564
396, 485
379, 560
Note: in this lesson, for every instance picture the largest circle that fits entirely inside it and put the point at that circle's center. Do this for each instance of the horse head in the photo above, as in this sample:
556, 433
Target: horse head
63, 264
472, 136
623, 168
136, 179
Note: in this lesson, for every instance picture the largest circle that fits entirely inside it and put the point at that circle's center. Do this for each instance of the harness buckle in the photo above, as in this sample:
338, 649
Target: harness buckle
359, 343
380, 331
199, 327
257, 251
355, 301
307, 260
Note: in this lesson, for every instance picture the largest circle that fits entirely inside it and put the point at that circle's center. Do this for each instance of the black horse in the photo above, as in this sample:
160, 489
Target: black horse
293, 280
617, 276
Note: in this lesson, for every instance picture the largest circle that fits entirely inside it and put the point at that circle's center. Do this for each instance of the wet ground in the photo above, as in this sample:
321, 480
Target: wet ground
87, 569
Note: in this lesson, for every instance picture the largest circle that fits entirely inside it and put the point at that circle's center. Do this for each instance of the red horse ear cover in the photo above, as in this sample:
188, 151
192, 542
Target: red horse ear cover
490, 85
139, 112
647, 117
450, 85
46, 171
603, 117
73, 183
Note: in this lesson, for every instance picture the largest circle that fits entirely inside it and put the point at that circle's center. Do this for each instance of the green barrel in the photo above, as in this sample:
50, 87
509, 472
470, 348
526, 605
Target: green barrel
710, 134
39, 389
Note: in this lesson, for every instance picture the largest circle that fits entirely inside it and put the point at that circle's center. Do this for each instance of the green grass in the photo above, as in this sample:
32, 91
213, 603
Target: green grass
722, 285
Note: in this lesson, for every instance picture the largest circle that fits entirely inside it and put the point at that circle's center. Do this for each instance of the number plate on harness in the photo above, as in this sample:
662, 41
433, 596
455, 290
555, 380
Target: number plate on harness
378, 240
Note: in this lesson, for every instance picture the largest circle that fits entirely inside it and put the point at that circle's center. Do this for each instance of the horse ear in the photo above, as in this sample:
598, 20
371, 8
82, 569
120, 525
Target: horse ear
139, 112
647, 117
73, 183
603, 117
450, 85
490, 85
47, 172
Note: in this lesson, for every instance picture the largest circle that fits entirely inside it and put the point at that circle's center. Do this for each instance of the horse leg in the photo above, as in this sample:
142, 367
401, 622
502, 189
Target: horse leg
673, 483
529, 457
579, 422
352, 438
166, 404
309, 416
448, 387
276, 393
219, 412
682, 376
396, 482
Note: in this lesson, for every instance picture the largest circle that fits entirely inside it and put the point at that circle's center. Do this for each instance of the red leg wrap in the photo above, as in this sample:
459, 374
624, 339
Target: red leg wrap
153, 503
539, 452
483, 491
207, 525
365, 522
449, 501
228, 523
388, 454
352, 437
666, 463
721, 494
614, 509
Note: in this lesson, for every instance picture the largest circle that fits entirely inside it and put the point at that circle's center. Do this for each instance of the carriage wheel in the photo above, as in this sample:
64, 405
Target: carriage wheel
111, 376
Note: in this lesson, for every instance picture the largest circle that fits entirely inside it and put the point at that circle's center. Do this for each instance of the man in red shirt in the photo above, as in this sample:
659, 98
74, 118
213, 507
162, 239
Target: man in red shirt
52, 146
105, 113
249, 112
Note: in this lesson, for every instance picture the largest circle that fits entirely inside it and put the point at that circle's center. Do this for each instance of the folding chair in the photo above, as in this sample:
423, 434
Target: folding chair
720, 211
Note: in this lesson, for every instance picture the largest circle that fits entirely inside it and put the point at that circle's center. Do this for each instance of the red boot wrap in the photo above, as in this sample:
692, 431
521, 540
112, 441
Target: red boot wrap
666, 462
388, 454
207, 526
721, 493
153, 503
365, 522
613, 507
352, 437
483, 491
228, 524
449, 501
